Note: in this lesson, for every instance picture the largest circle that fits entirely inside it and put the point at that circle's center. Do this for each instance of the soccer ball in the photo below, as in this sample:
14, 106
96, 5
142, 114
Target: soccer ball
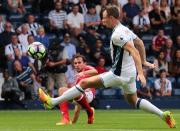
37, 50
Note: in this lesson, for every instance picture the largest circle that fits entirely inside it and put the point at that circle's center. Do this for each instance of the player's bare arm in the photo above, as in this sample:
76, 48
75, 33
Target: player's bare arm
140, 47
136, 56
89, 73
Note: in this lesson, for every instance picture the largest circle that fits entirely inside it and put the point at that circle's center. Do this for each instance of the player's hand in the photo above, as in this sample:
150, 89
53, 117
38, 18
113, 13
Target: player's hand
149, 65
80, 75
141, 78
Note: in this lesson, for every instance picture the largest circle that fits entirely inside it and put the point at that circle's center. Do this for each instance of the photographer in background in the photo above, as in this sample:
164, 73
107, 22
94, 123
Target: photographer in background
56, 66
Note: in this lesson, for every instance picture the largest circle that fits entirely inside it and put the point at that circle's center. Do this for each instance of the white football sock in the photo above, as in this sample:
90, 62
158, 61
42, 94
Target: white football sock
147, 106
70, 94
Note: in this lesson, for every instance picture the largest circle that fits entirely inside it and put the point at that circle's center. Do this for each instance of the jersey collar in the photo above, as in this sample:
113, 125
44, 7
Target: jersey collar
116, 26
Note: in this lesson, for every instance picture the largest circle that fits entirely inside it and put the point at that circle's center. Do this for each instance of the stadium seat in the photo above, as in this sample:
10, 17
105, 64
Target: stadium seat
61, 38
51, 37
178, 83
173, 81
151, 80
150, 58
107, 49
103, 37
147, 39
1, 82
28, 7
98, 93
168, 29
45, 21
106, 41
176, 92
37, 18
16, 19
110, 93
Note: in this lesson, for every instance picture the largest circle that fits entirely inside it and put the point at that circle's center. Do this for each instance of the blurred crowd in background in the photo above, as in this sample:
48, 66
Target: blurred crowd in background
69, 27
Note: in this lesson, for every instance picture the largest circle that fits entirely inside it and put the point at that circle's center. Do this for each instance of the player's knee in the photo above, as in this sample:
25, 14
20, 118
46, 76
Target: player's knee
61, 90
83, 83
132, 103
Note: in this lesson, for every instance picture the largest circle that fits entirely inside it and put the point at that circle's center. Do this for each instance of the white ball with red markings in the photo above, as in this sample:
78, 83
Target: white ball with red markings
37, 50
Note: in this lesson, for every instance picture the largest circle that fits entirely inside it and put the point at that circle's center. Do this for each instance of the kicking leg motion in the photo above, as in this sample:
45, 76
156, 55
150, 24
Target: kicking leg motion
149, 107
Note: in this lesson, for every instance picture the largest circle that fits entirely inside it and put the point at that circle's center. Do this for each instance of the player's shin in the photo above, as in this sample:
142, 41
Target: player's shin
147, 106
64, 110
84, 103
70, 94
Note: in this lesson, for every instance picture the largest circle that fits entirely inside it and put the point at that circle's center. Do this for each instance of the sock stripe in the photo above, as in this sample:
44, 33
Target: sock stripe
138, 103
80, 98
79, 89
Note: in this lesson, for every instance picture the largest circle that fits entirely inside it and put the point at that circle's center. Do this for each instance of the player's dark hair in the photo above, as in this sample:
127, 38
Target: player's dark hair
79, 56
112, 11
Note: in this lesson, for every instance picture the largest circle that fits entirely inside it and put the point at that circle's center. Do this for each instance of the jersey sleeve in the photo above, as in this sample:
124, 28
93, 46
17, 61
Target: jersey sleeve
133, 36
121, 38
88, 68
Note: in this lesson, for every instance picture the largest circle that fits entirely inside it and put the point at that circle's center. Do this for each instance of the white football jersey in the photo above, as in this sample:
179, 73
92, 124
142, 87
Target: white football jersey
123, 63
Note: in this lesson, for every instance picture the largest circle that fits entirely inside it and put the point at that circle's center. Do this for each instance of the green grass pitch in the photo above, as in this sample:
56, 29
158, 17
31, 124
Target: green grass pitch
105, 120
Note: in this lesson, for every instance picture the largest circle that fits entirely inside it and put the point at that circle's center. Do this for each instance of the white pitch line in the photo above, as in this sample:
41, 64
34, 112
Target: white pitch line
77, 129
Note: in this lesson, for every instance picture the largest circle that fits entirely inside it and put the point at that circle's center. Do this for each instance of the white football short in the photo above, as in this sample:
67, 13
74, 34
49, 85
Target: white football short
127, 84
89, 95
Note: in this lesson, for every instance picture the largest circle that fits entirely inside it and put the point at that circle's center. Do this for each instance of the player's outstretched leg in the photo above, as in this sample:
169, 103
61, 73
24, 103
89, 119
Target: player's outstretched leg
149, 107
168, 118
70, 94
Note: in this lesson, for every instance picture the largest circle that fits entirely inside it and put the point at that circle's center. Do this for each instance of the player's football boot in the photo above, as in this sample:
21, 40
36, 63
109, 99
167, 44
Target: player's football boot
168, 118
91, 116
46, 99
64, 121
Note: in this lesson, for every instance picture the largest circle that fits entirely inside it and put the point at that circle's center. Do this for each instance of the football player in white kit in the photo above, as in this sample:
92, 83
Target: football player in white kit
126, 60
